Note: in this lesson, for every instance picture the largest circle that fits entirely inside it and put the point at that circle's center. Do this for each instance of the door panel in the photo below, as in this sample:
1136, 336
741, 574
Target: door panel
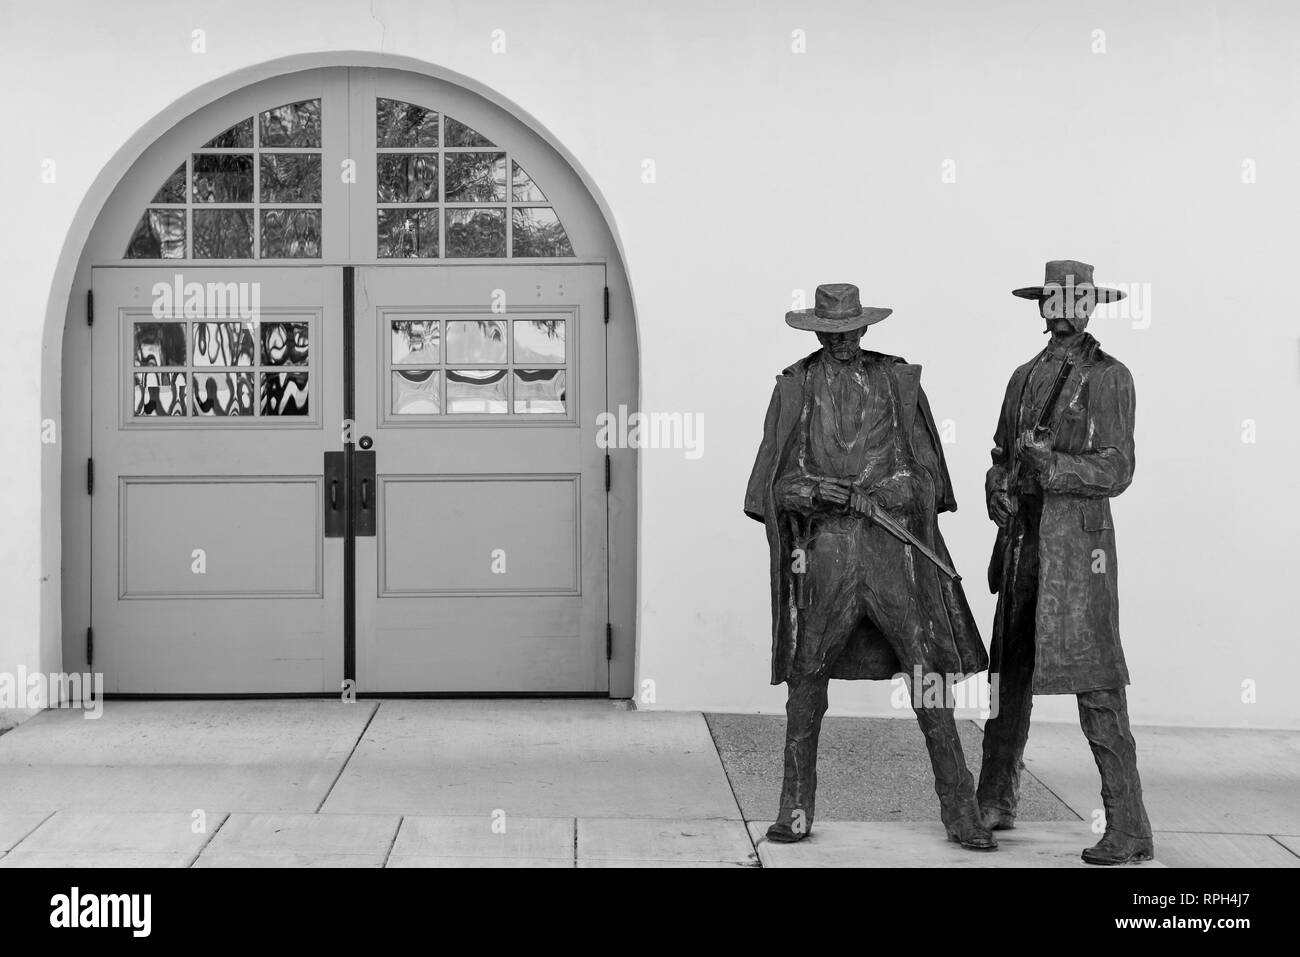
480, 387
215, 393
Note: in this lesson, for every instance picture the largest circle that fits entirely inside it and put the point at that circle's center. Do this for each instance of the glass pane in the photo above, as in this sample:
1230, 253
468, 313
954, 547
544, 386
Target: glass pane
475, 233
160, 234
538, 232
523, 189
224, 343
475, 177
408, 234
297, 124
159, 393
172, 191
404, 124
290, 177
407, 177
284, 344
539, 340
476, 390
239, 136
160, 344
223, 178
476, 340
223, 234
290, 234
223, 393
284, 393
457, 133
539, 390
416, 392
415, 341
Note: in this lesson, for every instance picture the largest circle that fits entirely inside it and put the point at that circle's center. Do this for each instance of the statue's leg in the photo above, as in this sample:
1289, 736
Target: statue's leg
1104, 718
804, 709
825, 625
1007, 730
894, 611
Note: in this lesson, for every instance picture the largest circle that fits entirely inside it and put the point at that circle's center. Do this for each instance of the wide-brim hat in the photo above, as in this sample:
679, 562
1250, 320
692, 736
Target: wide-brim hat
837, 308
1072, 276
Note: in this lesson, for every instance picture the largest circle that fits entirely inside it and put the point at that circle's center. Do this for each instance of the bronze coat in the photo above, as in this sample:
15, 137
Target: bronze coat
868, 655
1076, 631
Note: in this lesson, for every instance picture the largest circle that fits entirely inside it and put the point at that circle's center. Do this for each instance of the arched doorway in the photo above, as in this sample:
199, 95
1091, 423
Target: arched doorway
347, 338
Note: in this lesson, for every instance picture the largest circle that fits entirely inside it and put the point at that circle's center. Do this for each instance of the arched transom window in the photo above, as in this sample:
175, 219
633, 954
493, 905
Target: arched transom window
443, 191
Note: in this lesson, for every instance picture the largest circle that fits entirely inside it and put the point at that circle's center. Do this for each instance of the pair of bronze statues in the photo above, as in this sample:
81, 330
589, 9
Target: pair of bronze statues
849, 480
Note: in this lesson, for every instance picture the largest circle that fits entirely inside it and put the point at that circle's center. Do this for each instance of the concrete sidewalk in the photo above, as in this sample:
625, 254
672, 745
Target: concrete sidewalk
564, 783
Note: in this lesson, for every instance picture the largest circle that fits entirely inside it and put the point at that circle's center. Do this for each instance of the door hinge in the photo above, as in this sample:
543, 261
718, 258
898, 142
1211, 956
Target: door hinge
90, 307
606, 305
609, 483
609, 642
90, 646
90, 476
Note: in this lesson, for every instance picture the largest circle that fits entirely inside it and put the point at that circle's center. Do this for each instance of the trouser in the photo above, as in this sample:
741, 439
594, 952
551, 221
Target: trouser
805, 707
855, 572
1103, 715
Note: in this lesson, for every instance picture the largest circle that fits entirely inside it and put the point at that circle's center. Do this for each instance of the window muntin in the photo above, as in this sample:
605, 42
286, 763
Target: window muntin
221, 368
449, 367
253, 191
445, 191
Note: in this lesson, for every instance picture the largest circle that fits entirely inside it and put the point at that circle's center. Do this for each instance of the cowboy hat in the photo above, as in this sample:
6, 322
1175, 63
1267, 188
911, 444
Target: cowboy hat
1068, 274
837, 309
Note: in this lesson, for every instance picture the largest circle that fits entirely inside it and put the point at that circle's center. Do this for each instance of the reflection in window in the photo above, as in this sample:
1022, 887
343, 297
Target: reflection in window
408, 233
478, 366
223, 233
280, 151
539, 390
159, 344
475, 341
159, 394
476, 390
476, 233
415, 341
417, 392
223, 393
284, 393
494, 209
295, 124
537, 232
539, 340
290, 233
224, 343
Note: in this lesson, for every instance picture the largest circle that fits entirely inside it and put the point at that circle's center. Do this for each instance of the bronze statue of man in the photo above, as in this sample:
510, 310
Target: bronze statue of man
1063, 447
848, 481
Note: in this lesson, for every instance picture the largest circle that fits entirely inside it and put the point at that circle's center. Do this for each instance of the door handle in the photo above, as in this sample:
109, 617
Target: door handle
335, 523
363, 475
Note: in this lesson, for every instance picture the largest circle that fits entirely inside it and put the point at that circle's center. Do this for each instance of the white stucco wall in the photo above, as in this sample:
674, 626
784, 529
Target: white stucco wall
776, 171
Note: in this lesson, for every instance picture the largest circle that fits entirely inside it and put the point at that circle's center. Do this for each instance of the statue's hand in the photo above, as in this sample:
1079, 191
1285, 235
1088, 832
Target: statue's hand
1036, 449
860, 502
1000, 508
831, 492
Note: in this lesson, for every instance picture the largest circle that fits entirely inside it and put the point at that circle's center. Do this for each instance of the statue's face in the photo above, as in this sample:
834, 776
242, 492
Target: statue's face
1067, 310
842, 346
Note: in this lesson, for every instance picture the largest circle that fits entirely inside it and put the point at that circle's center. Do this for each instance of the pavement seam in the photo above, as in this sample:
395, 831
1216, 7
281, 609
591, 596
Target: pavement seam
744, 822
39, 825
401, 818
1284, 847
204, 846
348, 760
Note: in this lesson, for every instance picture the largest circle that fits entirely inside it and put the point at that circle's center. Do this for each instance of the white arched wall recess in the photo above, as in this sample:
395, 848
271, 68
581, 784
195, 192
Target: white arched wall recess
103, 225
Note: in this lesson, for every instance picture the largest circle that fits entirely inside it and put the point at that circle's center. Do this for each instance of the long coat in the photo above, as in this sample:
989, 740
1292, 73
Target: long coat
1076, 622
868, 654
